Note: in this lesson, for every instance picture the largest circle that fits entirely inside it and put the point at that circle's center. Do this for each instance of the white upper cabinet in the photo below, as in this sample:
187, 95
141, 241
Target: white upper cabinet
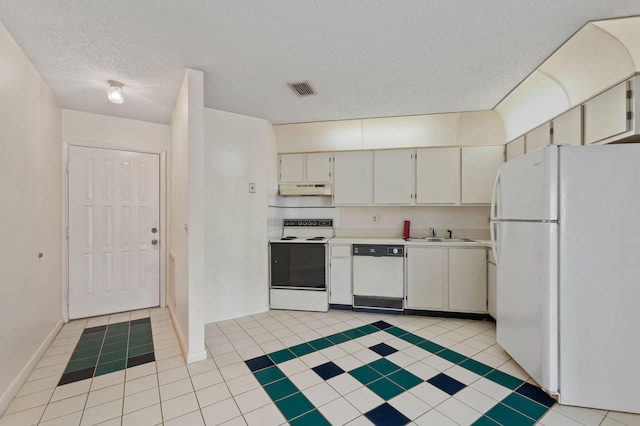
394, 176
438, 176
567, 127
538, 137
515, 148
292, 167
311, 167
353, 178
605, 116
479, 168
319, 167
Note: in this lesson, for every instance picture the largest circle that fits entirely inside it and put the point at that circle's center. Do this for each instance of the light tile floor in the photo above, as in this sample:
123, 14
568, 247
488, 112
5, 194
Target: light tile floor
223, 390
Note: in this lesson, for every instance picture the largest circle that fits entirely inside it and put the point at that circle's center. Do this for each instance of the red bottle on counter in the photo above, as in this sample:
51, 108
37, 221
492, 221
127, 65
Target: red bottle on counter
407, 229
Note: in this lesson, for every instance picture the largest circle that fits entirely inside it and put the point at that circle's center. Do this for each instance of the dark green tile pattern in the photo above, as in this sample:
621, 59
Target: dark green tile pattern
292, 403
388, 380
106, 349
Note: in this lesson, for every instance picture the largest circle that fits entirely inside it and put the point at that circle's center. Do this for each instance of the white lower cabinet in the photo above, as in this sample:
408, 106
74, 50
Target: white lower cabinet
468, 279
340, 288
446, 279
425, 278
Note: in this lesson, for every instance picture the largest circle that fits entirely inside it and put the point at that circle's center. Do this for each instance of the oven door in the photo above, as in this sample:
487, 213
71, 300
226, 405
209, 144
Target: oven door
298, 266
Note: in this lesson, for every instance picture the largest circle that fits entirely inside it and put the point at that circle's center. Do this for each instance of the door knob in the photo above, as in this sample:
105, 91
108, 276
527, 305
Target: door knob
154, 242
154, 230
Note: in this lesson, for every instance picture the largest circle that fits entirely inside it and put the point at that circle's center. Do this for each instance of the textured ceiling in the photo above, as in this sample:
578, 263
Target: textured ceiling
364, 58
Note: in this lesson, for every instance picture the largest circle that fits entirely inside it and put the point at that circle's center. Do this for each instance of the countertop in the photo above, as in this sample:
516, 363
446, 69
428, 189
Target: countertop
400, 241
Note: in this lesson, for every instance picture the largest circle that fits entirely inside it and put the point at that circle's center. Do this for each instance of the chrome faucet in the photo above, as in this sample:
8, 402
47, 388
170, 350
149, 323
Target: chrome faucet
450, 233
432, 231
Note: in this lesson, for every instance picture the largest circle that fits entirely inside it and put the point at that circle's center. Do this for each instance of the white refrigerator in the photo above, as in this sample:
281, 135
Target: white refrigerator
565, 228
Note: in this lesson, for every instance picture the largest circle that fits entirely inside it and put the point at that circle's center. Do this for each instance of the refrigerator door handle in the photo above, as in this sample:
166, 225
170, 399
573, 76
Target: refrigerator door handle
494, 197
492, 222
494, 243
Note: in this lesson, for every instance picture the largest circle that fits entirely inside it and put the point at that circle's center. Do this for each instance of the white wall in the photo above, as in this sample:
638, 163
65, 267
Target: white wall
97, 129
598, 56
186, 241
238, 150
30, 218
454, 129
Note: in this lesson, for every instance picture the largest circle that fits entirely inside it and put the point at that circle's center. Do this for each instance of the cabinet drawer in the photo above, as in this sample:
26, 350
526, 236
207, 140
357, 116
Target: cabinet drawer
341, 251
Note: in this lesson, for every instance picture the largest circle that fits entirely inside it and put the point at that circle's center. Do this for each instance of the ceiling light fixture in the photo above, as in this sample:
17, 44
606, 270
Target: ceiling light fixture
114, 92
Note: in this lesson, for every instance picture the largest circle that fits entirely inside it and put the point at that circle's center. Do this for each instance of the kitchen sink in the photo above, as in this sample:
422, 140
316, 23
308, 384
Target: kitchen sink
442, 240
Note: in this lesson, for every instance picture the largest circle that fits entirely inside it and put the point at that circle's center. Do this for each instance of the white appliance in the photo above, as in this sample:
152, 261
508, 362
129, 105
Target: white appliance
298, 265
304, 189
378, 276
565, 229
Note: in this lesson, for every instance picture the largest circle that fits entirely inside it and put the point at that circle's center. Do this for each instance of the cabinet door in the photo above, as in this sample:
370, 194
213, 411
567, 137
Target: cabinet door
538, 137
340, 281
394, 176
425, 278
515, 148
353, 177
438, 176
467, 280
606, 114
567, 128
319, 167
479, 168
291, 167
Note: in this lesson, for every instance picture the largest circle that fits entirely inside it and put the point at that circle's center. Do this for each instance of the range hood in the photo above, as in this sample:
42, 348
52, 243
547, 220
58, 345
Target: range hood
305, 189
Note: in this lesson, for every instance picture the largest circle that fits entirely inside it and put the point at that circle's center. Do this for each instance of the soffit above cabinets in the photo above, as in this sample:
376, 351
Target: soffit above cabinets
365, 59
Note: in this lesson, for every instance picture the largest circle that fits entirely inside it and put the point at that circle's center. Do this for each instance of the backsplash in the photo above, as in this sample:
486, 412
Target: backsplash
463, 221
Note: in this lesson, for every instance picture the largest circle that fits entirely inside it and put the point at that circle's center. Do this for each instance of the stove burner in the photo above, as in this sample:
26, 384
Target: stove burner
315, 238
288, 238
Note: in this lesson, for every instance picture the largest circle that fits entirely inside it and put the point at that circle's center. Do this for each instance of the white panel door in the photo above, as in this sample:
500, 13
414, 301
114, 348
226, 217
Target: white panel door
468, 279
538, 137
479, 168
515, 148
113, 231
606, 115
291, 168
425, 278
319, 166
567, 128
438, 176
353, 177
340, 281
394, 176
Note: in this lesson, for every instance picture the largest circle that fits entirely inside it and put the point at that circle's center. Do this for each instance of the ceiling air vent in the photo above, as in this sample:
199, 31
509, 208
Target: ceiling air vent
302, 88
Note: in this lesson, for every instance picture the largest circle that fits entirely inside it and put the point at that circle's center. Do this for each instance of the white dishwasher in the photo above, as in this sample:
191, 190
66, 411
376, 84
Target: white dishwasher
378, 276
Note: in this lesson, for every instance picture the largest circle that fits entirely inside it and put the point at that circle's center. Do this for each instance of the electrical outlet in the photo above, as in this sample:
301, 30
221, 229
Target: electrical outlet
377, 218
252, 188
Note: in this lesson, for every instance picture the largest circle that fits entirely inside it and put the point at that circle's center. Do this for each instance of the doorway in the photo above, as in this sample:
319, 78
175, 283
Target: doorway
114, 231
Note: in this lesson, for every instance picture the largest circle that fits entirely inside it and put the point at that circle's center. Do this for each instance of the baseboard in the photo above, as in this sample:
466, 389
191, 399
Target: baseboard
7, 396
178, 330
217, 318
188, 357
198, 356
